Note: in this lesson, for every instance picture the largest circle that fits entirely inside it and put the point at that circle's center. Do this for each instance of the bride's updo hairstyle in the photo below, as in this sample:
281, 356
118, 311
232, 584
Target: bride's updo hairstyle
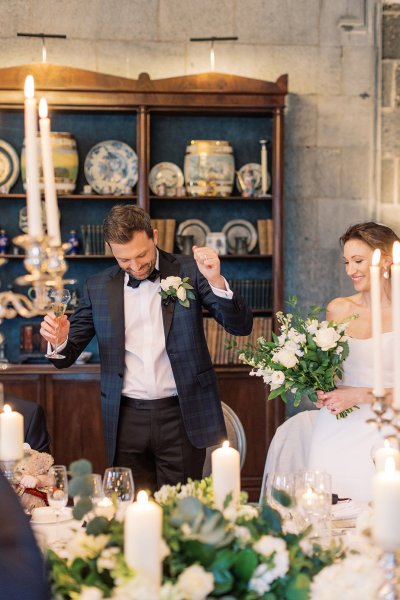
373, 234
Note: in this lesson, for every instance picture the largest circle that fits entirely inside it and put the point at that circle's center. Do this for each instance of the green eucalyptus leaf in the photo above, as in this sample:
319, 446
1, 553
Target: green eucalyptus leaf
98, 526
80, 467
82, 507
245, 564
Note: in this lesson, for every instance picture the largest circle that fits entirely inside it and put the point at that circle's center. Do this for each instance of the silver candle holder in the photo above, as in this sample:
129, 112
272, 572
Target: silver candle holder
46, 266
389, 589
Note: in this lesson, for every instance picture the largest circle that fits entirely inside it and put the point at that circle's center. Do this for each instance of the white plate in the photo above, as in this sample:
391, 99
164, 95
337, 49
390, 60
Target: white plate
255, 168
9, 164
168, 174
45, 515
111, 167
240, 228
198, 229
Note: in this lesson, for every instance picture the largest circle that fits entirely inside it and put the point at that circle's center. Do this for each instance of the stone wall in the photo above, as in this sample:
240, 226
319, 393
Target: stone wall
331, 124
390, 113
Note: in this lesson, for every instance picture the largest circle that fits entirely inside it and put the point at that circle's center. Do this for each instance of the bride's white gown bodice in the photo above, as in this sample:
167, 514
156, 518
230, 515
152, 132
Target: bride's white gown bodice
343, 447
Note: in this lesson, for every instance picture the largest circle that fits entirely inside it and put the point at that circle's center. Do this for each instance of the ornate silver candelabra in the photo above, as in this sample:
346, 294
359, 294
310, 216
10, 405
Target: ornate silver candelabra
46, 266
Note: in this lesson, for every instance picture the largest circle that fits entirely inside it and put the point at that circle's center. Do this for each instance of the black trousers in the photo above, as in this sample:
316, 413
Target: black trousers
152, 441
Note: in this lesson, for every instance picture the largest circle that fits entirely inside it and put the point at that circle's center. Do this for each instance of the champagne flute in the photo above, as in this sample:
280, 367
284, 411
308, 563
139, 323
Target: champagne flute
57, 493
59, 301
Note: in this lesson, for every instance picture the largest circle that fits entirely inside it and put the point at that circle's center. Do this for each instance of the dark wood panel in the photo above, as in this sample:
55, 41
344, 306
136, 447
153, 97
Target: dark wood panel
75, 412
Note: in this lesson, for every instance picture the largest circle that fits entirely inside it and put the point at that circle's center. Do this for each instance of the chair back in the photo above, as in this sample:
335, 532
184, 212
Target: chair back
236, 437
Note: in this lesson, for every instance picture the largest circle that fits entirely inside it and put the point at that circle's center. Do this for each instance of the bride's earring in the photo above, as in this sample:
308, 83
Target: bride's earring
386, 273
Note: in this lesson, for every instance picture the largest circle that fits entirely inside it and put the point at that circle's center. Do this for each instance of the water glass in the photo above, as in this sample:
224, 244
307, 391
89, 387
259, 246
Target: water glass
57, 493
118, 485
279, 482
313, 493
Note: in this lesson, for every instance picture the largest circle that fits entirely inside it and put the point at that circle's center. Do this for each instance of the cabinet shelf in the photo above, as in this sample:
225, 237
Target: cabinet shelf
213, 198
78, 197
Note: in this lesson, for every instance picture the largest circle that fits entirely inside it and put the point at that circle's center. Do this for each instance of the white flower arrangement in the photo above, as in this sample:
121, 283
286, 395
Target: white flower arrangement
175, 288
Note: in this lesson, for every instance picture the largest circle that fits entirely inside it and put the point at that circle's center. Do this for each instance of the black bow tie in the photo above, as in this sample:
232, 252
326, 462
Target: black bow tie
134, 283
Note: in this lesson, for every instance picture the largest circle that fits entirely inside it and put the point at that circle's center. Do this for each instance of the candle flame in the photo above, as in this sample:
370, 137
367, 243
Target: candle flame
142, 498
396, 253
390, 465
225, 444
29, 88
43, 108
376, 257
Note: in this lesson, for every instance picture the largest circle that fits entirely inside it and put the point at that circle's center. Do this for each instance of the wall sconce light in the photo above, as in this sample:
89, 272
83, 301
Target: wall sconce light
43, 37
214, 39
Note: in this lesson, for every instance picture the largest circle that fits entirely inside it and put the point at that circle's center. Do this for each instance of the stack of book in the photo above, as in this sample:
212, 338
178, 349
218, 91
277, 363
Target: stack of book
265, 236
92, 240
256, 292
166, 233
218, 341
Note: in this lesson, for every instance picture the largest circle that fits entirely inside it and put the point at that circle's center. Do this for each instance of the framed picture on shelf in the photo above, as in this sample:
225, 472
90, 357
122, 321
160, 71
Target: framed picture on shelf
217, 241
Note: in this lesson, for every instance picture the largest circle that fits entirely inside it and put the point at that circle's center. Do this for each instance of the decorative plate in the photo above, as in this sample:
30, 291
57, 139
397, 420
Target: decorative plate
168, 174
250, 174
239, 228
198, 229
9, 164
111, 167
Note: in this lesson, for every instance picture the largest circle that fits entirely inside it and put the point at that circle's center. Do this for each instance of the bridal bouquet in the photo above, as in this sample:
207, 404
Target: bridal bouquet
307, 356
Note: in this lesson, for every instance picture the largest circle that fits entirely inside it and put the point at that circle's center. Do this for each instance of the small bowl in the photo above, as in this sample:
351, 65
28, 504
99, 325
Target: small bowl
84, 357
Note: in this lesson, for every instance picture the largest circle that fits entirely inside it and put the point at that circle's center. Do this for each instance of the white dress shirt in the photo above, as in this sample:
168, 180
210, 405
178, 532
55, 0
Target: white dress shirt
148, 373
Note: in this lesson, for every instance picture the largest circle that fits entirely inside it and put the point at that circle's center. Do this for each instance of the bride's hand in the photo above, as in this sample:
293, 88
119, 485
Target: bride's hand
320, 403
343, 397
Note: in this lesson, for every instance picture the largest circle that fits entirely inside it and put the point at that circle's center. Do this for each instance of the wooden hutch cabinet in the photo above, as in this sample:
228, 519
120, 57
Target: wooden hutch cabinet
157, 118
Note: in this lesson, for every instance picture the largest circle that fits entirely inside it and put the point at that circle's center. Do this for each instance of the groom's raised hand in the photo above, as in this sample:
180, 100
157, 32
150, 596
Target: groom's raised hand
209, 265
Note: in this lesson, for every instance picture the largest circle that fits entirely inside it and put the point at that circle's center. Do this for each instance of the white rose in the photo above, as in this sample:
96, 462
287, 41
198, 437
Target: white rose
195, 583
136, 588
277, 378
181, 293
312, 326
91, 593
286, 358
85, 546
326, 338
170, 281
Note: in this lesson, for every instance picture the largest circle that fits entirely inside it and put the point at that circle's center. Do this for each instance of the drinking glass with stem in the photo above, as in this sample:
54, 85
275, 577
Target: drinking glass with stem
57, 493
59, 302
118, 484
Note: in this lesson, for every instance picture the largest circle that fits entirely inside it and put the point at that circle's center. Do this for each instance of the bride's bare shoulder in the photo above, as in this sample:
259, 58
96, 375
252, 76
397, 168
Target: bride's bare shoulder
341, 308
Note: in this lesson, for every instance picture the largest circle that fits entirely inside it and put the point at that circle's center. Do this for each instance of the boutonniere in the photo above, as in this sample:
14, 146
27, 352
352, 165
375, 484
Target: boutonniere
176, 288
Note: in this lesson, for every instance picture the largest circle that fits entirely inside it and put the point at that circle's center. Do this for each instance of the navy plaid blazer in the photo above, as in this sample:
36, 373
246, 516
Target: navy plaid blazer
101, 313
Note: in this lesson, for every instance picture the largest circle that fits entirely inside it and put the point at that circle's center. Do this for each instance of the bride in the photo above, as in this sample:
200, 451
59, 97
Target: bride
316, 439
344, 448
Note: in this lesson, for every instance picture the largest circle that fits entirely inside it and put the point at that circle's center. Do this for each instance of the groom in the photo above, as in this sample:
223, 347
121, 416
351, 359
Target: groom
158, 387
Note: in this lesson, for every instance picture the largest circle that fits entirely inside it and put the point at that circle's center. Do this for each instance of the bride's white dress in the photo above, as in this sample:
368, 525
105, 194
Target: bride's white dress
343, 447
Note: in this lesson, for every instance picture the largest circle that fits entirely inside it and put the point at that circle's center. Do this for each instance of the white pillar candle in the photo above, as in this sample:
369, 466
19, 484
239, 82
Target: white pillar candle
264, 167
53, 223
33, 204
225, 466
375, 275
382, 454
386, 502
142, 538
11, 434
395, 272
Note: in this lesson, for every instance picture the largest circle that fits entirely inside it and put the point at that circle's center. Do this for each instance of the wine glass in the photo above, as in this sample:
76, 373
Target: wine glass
57, 493
59, 301
118, 485
279, 482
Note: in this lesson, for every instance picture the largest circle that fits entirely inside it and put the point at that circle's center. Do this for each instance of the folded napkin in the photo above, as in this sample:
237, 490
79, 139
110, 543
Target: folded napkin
346, 510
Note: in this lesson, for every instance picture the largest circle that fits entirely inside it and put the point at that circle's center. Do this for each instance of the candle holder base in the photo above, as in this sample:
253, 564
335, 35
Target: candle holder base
379, 408
7, 466
389, 590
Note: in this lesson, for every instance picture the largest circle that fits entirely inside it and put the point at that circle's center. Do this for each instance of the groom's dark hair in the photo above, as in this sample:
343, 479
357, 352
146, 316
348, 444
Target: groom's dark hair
375, 235
123, 221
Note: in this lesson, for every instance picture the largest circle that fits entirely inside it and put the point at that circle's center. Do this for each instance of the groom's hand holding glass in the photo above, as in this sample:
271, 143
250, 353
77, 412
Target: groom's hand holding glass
55, 327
